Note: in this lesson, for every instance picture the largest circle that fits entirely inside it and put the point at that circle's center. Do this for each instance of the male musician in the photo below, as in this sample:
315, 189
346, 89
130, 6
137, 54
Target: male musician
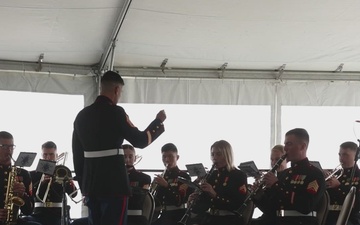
22, 186
48, 192
171, 193
99, 131
293, 196
139, 183
340, 187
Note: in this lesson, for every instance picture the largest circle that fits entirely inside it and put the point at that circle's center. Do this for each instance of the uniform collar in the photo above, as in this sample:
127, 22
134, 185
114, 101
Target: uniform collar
222, 169
104, 99
130, 168
174, 169
302, 162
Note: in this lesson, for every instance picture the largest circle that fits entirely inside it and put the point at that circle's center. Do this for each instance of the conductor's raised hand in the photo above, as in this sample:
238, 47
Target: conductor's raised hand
161, 115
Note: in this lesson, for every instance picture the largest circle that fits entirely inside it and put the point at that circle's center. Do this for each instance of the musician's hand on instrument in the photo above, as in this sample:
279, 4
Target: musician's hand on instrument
269, 179
46, 179
206, 187
161, 181
3, 214
332, 183
192, 196
19, 188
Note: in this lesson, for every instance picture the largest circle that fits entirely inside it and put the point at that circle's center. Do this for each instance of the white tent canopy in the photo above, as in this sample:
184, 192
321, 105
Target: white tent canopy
190, 52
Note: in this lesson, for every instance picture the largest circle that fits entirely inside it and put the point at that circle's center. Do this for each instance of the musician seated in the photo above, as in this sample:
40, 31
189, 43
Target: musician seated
171, 193
48, 193
139, 183
19, 189
276, 153
222, 193
292, 197
338, 186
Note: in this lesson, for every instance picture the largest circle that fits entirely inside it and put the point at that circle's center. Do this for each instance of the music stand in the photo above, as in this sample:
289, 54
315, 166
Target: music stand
249, 168
46, 166
196, 169
25, 159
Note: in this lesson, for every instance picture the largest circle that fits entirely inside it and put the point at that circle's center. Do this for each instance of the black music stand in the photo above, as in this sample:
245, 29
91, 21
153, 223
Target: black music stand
25, 159
46, 166
196, 169
249, 168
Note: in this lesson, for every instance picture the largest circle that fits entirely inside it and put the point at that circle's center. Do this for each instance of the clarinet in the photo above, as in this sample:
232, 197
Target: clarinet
198, 191
242, 208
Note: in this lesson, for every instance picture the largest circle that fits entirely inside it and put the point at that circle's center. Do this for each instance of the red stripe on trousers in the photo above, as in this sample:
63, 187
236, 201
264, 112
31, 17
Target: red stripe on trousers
123, 211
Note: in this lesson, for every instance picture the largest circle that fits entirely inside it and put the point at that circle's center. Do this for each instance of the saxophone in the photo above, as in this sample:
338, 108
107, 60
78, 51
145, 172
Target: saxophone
12, 202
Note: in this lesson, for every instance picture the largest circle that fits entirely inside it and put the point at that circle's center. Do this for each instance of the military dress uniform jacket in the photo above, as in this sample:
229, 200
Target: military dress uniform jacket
230, 188
337, 196
176, 193
298, 189
137, 178
55, 195
137, 181
103, 126
22, 176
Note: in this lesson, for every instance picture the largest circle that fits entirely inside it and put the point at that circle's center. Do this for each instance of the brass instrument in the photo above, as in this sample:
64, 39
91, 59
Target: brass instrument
198, 191
61, 173
335, 171
12, 202
261, 185
153, 191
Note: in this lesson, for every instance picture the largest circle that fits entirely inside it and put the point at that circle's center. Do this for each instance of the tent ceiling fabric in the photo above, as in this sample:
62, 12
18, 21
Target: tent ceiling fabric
204, 34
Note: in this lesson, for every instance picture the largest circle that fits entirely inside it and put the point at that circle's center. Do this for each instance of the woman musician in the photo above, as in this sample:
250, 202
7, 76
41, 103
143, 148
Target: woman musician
222, 193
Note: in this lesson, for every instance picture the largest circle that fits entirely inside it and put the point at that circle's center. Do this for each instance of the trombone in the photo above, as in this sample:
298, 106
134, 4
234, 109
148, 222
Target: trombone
61, 173
335, 172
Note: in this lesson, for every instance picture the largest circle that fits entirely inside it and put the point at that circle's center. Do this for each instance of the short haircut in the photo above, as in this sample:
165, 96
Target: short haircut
349, 145
169, 147
127, 146
49, 144
300, 133
5, 135
111, 77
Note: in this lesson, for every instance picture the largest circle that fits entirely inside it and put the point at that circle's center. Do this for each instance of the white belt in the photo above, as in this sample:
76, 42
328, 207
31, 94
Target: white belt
48, 204
103, 153
134, 212
173, 207
283, 213
335, 207
220, 212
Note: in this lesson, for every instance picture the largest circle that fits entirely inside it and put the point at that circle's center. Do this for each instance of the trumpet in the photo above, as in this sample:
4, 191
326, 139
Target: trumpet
335, 172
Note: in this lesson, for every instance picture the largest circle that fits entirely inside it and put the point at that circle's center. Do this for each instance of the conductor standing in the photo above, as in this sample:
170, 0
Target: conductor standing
99, 131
